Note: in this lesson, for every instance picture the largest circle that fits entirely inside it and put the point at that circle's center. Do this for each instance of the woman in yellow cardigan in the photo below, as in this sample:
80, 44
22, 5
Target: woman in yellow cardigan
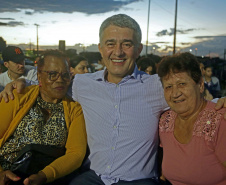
43, 115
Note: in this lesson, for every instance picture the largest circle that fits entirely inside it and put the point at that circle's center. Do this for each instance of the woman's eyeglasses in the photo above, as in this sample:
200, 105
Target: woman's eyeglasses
54, 75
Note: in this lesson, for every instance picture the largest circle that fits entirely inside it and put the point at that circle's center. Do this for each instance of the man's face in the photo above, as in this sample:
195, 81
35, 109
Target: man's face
208, 72
16, 68
119, 50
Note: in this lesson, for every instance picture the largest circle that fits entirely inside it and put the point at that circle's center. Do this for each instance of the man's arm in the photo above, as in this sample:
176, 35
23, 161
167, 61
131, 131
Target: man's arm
21, 83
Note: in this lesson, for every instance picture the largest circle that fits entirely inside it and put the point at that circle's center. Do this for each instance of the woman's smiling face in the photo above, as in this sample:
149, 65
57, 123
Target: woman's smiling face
181, 92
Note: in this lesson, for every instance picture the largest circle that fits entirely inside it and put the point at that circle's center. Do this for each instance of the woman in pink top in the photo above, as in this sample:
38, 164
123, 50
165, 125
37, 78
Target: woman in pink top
192, 132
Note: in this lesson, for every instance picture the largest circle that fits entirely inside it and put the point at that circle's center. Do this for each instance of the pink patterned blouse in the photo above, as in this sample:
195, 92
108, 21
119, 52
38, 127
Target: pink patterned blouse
198, 162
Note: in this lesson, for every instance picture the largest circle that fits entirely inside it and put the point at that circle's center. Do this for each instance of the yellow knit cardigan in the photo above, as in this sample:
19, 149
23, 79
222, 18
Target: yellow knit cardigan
12, 113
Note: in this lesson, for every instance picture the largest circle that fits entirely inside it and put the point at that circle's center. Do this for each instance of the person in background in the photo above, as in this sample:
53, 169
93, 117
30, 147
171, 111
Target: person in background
78, 65
192, 133
13, 58
207, 94
42, 114
211, 83
147, 65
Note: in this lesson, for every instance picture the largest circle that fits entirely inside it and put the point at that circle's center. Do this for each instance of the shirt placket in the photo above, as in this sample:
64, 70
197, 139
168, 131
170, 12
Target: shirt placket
115, 129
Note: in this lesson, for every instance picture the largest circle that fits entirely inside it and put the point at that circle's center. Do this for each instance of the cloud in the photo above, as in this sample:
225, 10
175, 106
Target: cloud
210, 37
15, 23
162, 33
160, 42
7, 19
12, 24
185, 43
29, 13
167, 49
184, 31
67, 6
3, 24
209, 44
171, 32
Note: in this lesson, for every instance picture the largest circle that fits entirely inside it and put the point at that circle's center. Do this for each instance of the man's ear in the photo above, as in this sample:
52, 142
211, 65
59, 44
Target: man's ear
139, 49
6, 64
100, 49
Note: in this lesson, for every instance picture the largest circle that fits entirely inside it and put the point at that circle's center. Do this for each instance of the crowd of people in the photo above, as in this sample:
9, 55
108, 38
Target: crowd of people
114, 123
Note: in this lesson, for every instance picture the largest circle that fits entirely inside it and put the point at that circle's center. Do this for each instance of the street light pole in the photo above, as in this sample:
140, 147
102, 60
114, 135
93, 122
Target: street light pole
148, 26
37, 25
175, 30
224, 53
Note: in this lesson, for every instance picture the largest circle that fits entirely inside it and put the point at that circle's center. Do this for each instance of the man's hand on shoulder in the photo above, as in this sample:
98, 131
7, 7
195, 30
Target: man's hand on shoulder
221, 103
7, 93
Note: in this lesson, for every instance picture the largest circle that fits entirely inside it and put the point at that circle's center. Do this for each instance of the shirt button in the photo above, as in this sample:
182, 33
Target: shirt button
116, 106
108, 166
115, 126
112, 148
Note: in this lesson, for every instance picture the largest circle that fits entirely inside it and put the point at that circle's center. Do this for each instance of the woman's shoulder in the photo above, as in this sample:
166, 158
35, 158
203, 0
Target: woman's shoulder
27, 93
71, 105
166, 122
210, 112
209, 121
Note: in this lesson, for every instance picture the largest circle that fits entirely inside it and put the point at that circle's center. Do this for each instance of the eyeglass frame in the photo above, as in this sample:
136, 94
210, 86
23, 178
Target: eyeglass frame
58, 75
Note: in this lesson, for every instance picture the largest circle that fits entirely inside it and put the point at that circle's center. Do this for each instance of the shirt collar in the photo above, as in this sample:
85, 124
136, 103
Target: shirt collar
135, 75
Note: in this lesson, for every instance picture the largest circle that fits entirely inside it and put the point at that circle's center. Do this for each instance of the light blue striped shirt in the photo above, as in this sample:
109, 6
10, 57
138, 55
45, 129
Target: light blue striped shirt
122, 123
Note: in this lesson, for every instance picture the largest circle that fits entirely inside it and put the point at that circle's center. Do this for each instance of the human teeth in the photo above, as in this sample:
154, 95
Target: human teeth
117, 60
178, 101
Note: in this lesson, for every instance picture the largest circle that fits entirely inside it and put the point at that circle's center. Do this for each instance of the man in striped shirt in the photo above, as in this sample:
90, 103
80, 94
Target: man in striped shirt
121, 106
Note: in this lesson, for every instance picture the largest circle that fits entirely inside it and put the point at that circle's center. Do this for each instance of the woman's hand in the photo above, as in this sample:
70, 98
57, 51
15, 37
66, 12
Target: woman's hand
7, 176
36, 179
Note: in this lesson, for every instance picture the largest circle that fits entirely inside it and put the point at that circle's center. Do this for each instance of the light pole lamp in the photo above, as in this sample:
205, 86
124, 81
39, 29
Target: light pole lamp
37, 25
